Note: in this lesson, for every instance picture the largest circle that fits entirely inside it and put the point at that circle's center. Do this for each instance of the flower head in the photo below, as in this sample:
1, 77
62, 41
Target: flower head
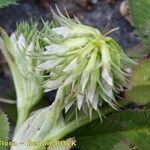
88, 66
16, 49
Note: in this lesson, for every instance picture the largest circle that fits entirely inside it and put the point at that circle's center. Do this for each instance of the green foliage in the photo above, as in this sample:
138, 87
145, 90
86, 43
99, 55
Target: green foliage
141, 16
4, 129
138, 52
138, 91
4, 3
130, 128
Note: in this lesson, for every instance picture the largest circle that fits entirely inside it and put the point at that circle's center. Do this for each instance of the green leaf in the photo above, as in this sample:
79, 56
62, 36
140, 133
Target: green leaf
141, 17
4, 3
138, 52
4, 130
129, 128
138, 91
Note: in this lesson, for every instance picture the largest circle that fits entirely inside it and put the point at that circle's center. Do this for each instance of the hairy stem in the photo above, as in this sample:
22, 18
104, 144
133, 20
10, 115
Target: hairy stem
22, 116
7, 101
62, 132
83, 121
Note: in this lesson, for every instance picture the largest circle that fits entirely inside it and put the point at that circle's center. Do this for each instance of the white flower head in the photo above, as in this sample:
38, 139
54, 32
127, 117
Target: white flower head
83, 63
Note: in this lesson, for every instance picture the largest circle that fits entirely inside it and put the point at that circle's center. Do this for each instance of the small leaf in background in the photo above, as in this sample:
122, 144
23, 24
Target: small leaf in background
4, 129
141, 17
129, 127
138, 52
4, 3
11, 111
139, 88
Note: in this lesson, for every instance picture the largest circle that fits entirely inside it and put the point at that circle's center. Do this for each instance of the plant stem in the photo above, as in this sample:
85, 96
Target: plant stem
7, 101
75, 124
22, 116
83, 121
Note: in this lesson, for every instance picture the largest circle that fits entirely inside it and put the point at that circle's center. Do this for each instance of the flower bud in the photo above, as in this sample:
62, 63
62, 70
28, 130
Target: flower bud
17, 49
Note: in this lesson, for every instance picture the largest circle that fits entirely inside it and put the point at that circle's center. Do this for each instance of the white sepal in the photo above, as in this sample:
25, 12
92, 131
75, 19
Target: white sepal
13, 38
71, 66
69, 80
21, 42
63, 31
47, 40
95, 101
48, 64
107, 77
30, 48
86, 73
109, 90
53, 84
55, 49
80, 100
60, 93
91, 91
68, 106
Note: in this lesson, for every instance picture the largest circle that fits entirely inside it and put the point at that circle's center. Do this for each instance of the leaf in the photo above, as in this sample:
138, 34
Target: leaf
138, 91
138, 52
129, 127
4, 3
4, 129
10, 109
141, 17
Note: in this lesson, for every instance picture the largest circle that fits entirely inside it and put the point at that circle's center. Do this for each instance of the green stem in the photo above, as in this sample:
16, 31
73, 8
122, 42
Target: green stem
62, 132
82, 121
22, 116
22, 105
18, 82
7, 101
28, 89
